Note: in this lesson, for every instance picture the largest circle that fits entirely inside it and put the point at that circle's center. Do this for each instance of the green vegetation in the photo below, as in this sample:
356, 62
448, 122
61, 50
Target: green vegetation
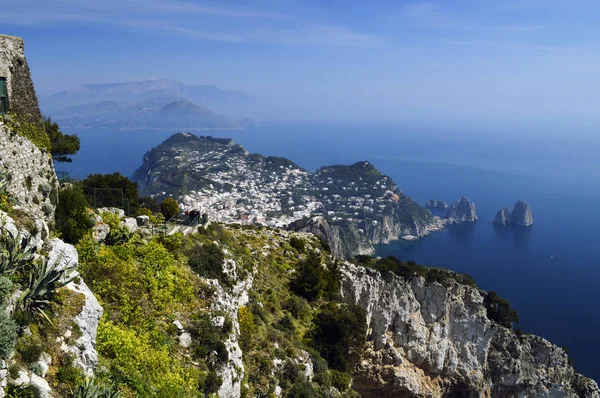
207, 261
33, 130
15, 251
169, 208
314, 281
498, 310
61, 145
297, 244
339, 334
409, 269
72, 217
111, 190
44, 281
8, 334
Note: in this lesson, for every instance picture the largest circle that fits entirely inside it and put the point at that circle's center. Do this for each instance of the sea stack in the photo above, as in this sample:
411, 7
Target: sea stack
503, 217
462, 211
521, 214
436, 204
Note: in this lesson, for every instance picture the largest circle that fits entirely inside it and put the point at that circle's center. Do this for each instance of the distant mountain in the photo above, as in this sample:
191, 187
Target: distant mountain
155, 113
207, 95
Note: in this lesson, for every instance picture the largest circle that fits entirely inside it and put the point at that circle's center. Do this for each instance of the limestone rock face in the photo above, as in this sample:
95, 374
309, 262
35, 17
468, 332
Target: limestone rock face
84, 350
431, 340
33, 183
436, 204
503, 217
462, 211
521, 214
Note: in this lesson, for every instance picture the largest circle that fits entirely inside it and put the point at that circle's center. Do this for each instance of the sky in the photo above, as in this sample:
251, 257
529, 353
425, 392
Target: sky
482, 60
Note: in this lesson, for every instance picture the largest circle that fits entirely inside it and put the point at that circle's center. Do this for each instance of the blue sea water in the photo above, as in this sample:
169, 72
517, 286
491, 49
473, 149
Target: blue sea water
550, 273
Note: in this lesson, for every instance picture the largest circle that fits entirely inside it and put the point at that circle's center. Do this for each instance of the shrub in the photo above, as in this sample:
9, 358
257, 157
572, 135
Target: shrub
313, 281
169, 208
72, 217
29, 128
149, 203
5, 289
498, 310
297, 244
207, 261
340, 380
247, 327
208, 340
8, 334
30, 348
303, 389
297, 306
339, 334
112, 190
61, 145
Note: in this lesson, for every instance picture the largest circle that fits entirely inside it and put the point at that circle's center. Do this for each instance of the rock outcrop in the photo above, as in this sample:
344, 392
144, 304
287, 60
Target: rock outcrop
521, 214
462, 211
436, 204
431, 340
28, 174
503, 217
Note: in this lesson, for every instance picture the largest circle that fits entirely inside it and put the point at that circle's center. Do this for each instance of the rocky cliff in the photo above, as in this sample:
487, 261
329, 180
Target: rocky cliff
431, 339
462, 211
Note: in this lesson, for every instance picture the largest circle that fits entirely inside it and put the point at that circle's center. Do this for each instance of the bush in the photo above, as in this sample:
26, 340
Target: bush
339, 334
340, 380
303, 389
149, 203
8, 334
5, 289
111, 191
313, 281
169, 208
72, 217
247, 327
297, 244
208, 340
207, 261
498, 310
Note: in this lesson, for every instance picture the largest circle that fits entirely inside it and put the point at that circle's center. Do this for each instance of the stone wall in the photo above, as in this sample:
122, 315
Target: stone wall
13, 66
29, 174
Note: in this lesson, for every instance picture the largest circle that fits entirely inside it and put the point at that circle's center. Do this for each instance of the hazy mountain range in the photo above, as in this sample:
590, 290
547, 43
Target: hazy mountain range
156, 113
154, 104
209, 96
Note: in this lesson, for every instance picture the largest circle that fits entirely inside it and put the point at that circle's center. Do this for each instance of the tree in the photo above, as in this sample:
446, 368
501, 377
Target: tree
112, 190
339, 334
61, 145
498, 310
169, 208
72, 217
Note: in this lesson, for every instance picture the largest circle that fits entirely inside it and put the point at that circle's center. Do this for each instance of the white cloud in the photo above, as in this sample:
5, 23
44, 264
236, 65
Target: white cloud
198, 20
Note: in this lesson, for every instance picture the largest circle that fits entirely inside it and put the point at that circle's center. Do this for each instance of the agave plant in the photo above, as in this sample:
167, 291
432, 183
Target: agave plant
15, 251
89, 389
44, 280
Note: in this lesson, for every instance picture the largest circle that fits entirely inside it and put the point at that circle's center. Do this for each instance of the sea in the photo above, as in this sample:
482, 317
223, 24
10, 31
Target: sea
550, 272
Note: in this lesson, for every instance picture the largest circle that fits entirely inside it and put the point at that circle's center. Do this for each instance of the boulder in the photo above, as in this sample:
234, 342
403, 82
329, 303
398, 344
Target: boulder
462, 211
142, 221
521, 214
114, 210
503, 217
130, 224
100, 230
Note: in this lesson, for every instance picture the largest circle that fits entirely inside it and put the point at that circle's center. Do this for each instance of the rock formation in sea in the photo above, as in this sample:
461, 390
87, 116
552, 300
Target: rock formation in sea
436, 204
462, 211
503, 217
521, 214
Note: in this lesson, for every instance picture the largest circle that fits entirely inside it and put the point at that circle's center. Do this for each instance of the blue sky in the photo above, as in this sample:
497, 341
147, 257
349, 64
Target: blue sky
372, 60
